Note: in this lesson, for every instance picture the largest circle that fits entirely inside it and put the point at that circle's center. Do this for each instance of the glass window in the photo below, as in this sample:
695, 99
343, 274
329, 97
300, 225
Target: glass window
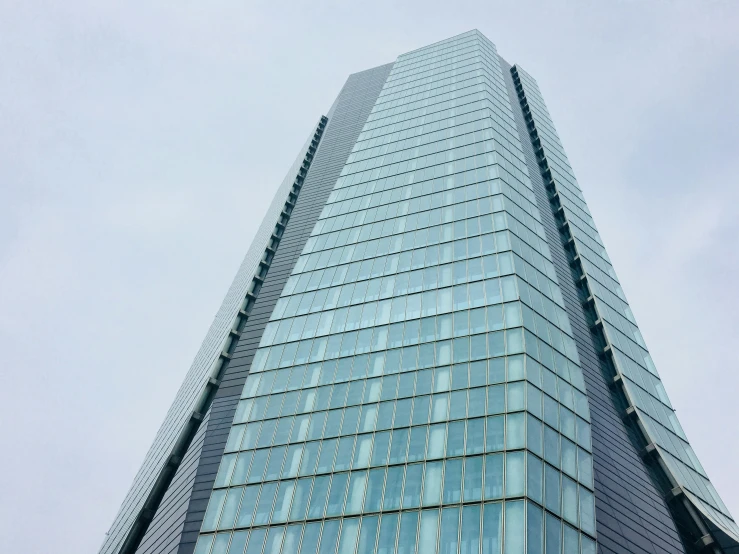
478, 373
300, 498
349, 532
315, 428
292, 462
412, 489
238, 542
475, 436
492, 528
212, 514
493, 476
432, 484
470, 536
326, 459
241, 468
534, 435
385, 411
476, 402
427, 536
407, 538
375, 487
514, 526
230, 508
388, 531
398, 446
535, 529
367, 535
337, 496
264, 506
551, 446
393, 488
585, 467
284, 425
439, 407
496, 399
535, 479
403, 411
417, 444
344, 454
495, 433
473, 478
355, 496
587, 511
256, 541
587, 546
569, 500
235, 437
319, 496
268, 430
514, 473
362, 451
449, 537
452, 481
381, 448
496, 371
455, 439
442, 379
458, 404
553, 535
274, 540
421, 406
310, 457
204, 543
329, 537
496, 344
274, 466
551, 489
436, 441
571, 539
515, 430
515, 396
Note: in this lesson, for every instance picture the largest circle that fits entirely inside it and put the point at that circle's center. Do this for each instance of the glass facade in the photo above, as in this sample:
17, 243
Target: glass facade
418, 376
444, 362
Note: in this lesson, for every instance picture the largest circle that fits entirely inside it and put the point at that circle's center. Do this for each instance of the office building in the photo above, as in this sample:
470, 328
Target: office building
425, 350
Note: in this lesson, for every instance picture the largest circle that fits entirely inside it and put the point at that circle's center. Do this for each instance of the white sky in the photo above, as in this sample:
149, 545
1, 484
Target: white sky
141, 142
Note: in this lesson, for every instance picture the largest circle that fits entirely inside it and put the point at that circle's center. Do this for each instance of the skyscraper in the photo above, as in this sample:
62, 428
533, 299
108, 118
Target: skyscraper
425, 350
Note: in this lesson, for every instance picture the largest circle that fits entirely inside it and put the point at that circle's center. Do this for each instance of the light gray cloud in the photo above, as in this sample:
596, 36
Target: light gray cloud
140, 146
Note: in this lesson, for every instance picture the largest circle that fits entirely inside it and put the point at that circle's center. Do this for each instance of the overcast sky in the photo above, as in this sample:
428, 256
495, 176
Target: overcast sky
141, 142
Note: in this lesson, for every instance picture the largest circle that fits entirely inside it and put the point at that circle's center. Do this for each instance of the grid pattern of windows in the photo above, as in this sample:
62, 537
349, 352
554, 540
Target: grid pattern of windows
621, 337
461, 529
418, 374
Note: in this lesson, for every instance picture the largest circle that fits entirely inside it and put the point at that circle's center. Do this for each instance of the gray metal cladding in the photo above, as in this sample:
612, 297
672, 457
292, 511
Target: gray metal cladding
165, 530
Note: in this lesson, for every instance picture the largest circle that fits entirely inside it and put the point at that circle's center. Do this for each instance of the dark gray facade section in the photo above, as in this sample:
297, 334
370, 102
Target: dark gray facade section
346, 119
165, 530
631, 514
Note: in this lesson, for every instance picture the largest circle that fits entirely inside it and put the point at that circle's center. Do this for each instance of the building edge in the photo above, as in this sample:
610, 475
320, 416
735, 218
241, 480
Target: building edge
703, 527
202, 381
